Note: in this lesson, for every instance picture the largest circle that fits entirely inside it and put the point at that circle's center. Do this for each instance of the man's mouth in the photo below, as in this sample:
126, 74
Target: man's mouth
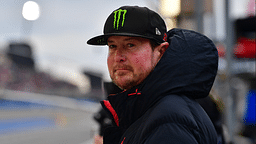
122, 69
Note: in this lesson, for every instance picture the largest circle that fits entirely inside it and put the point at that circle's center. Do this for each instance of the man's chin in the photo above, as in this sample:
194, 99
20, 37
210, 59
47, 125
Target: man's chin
123, 83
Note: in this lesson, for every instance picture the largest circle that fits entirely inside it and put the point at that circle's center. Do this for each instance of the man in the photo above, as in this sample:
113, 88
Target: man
161, 74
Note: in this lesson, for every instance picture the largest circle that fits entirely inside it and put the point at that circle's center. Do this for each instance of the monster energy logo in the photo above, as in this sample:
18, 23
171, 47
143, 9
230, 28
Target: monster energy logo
117, 17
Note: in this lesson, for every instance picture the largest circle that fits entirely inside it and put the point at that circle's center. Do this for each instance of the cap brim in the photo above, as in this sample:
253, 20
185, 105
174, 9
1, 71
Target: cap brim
98, 40
102, 39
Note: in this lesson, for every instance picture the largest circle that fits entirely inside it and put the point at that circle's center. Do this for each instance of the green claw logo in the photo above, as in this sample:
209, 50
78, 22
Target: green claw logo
117, 17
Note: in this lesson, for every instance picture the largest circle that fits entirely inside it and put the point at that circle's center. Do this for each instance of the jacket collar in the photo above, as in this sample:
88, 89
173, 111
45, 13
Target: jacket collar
125, 107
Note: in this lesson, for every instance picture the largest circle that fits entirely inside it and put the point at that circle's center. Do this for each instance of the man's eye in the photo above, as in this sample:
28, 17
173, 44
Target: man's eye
111, 46
130, 45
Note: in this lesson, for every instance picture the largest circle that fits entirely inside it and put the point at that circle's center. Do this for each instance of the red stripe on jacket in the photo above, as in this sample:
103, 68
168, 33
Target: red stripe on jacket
113, 112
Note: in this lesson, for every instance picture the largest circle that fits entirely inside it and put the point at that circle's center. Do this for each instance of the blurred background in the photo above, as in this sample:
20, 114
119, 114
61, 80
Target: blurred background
51, 81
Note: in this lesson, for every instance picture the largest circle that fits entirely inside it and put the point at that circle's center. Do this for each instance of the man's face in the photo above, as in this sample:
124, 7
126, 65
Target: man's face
130, 60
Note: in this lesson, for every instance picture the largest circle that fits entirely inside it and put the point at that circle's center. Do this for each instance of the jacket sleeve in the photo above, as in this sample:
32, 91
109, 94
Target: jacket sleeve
171, 133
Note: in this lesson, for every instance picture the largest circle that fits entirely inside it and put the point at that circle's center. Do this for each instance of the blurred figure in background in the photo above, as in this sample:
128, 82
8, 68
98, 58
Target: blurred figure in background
101, 116
214, 106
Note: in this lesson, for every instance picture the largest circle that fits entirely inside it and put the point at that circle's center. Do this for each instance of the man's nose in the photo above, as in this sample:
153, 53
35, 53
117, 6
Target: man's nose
120, 56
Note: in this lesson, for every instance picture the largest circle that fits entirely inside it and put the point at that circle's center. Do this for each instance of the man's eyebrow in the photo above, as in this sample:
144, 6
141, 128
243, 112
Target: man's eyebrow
130, 38
110, 41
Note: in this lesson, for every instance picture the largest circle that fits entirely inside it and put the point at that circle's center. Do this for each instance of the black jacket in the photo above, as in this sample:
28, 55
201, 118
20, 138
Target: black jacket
162, 109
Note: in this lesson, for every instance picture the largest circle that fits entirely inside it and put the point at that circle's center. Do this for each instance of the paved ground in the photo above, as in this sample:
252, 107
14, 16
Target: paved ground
46, 126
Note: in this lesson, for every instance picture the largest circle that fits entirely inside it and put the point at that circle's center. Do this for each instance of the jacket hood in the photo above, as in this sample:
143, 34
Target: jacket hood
188, 67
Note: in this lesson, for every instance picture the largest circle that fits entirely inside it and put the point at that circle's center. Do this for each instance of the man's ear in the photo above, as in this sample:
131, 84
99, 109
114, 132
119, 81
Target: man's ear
160, 49
163, 48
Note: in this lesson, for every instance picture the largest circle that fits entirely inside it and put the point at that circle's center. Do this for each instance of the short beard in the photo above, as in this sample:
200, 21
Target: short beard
125, 86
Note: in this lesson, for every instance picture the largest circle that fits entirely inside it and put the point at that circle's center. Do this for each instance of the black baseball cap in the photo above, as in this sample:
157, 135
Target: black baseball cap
132, 21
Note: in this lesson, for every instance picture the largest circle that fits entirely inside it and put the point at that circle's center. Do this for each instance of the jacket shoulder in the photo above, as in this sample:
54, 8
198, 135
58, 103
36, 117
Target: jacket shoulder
174, 109
179, 115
